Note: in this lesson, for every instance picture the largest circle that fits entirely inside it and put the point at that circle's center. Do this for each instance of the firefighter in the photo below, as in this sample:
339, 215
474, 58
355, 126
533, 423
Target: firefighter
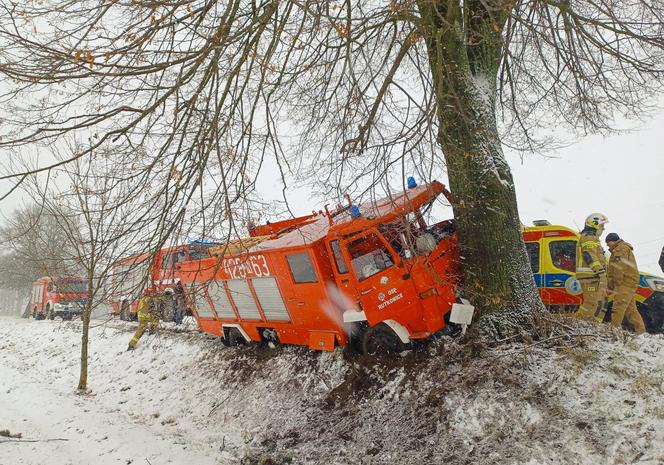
591, 268
623, 280
148, 317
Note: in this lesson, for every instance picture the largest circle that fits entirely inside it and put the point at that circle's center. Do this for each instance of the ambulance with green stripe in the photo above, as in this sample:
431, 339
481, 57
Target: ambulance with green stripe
552, 252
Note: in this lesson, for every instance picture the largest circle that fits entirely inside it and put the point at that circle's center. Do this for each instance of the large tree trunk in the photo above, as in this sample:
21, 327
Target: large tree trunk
497, 273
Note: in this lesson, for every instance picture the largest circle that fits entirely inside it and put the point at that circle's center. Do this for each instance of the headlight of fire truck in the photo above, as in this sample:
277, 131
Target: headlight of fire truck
656, 284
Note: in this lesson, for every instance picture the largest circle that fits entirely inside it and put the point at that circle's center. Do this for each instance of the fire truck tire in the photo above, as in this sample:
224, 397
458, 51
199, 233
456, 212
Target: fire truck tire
235, 337
167, 308
124, 311
269, 337
381, 339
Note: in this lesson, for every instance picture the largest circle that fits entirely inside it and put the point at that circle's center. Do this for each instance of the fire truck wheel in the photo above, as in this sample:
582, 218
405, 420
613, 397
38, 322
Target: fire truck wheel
124, 311
235, 337
168, 309
380, 339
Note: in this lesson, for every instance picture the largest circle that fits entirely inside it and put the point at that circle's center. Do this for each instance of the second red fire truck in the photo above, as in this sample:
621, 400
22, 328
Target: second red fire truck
63, 297
133, 274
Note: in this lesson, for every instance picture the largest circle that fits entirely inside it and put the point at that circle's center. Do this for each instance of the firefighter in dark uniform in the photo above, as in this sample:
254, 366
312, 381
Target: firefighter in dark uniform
623, 280
591, 268
148, 315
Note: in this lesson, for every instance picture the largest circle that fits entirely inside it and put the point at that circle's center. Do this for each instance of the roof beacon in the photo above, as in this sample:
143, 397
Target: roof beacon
200, 242
541, 223
355, 211
412, 184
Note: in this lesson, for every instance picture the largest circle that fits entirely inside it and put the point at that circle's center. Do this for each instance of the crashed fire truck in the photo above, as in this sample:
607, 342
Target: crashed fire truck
374, 275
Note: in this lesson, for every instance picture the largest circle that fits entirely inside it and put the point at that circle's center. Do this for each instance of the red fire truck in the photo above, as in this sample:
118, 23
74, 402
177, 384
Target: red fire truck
133, 274
64, 297
375, 275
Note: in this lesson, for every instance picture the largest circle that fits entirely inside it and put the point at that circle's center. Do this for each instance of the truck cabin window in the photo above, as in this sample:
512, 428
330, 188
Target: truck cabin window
179, 256
342, 268
563, 255
400, 234
197, 254
167, 262
70, 286
533, 250
301, 268
419, 232
369, 256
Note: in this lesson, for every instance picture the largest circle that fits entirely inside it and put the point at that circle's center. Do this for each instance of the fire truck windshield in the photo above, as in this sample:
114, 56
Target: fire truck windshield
70, 286
198, 254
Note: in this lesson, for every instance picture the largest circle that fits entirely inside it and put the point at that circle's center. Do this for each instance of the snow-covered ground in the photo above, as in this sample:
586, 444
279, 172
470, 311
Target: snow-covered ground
183, 398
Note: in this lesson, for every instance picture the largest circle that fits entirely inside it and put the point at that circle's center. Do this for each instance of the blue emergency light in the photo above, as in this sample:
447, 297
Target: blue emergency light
201, 242
355, 211
412, 184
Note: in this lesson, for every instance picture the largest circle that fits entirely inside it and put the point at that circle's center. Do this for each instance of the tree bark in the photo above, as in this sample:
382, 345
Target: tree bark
497, 274
87, 313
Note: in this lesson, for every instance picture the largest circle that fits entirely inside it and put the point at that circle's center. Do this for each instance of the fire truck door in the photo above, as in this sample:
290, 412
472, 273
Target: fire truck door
385, 289
349, 297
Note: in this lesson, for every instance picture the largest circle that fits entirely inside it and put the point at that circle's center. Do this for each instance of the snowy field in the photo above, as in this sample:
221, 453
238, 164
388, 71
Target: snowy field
183, 398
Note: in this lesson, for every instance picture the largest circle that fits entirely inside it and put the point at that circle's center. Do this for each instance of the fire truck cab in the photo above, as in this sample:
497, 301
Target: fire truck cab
552, 252
375, 275
64, 297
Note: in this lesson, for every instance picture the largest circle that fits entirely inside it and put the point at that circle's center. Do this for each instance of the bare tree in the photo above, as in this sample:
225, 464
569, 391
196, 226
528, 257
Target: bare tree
198, 95
97, 230
35, 246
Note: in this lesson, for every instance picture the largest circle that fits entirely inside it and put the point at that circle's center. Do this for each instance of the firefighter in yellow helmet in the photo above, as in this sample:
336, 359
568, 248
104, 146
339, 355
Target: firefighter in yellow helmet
623, 280
591, 268
148, 315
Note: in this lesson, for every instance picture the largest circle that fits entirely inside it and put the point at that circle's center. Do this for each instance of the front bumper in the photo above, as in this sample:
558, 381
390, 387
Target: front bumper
69, 309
